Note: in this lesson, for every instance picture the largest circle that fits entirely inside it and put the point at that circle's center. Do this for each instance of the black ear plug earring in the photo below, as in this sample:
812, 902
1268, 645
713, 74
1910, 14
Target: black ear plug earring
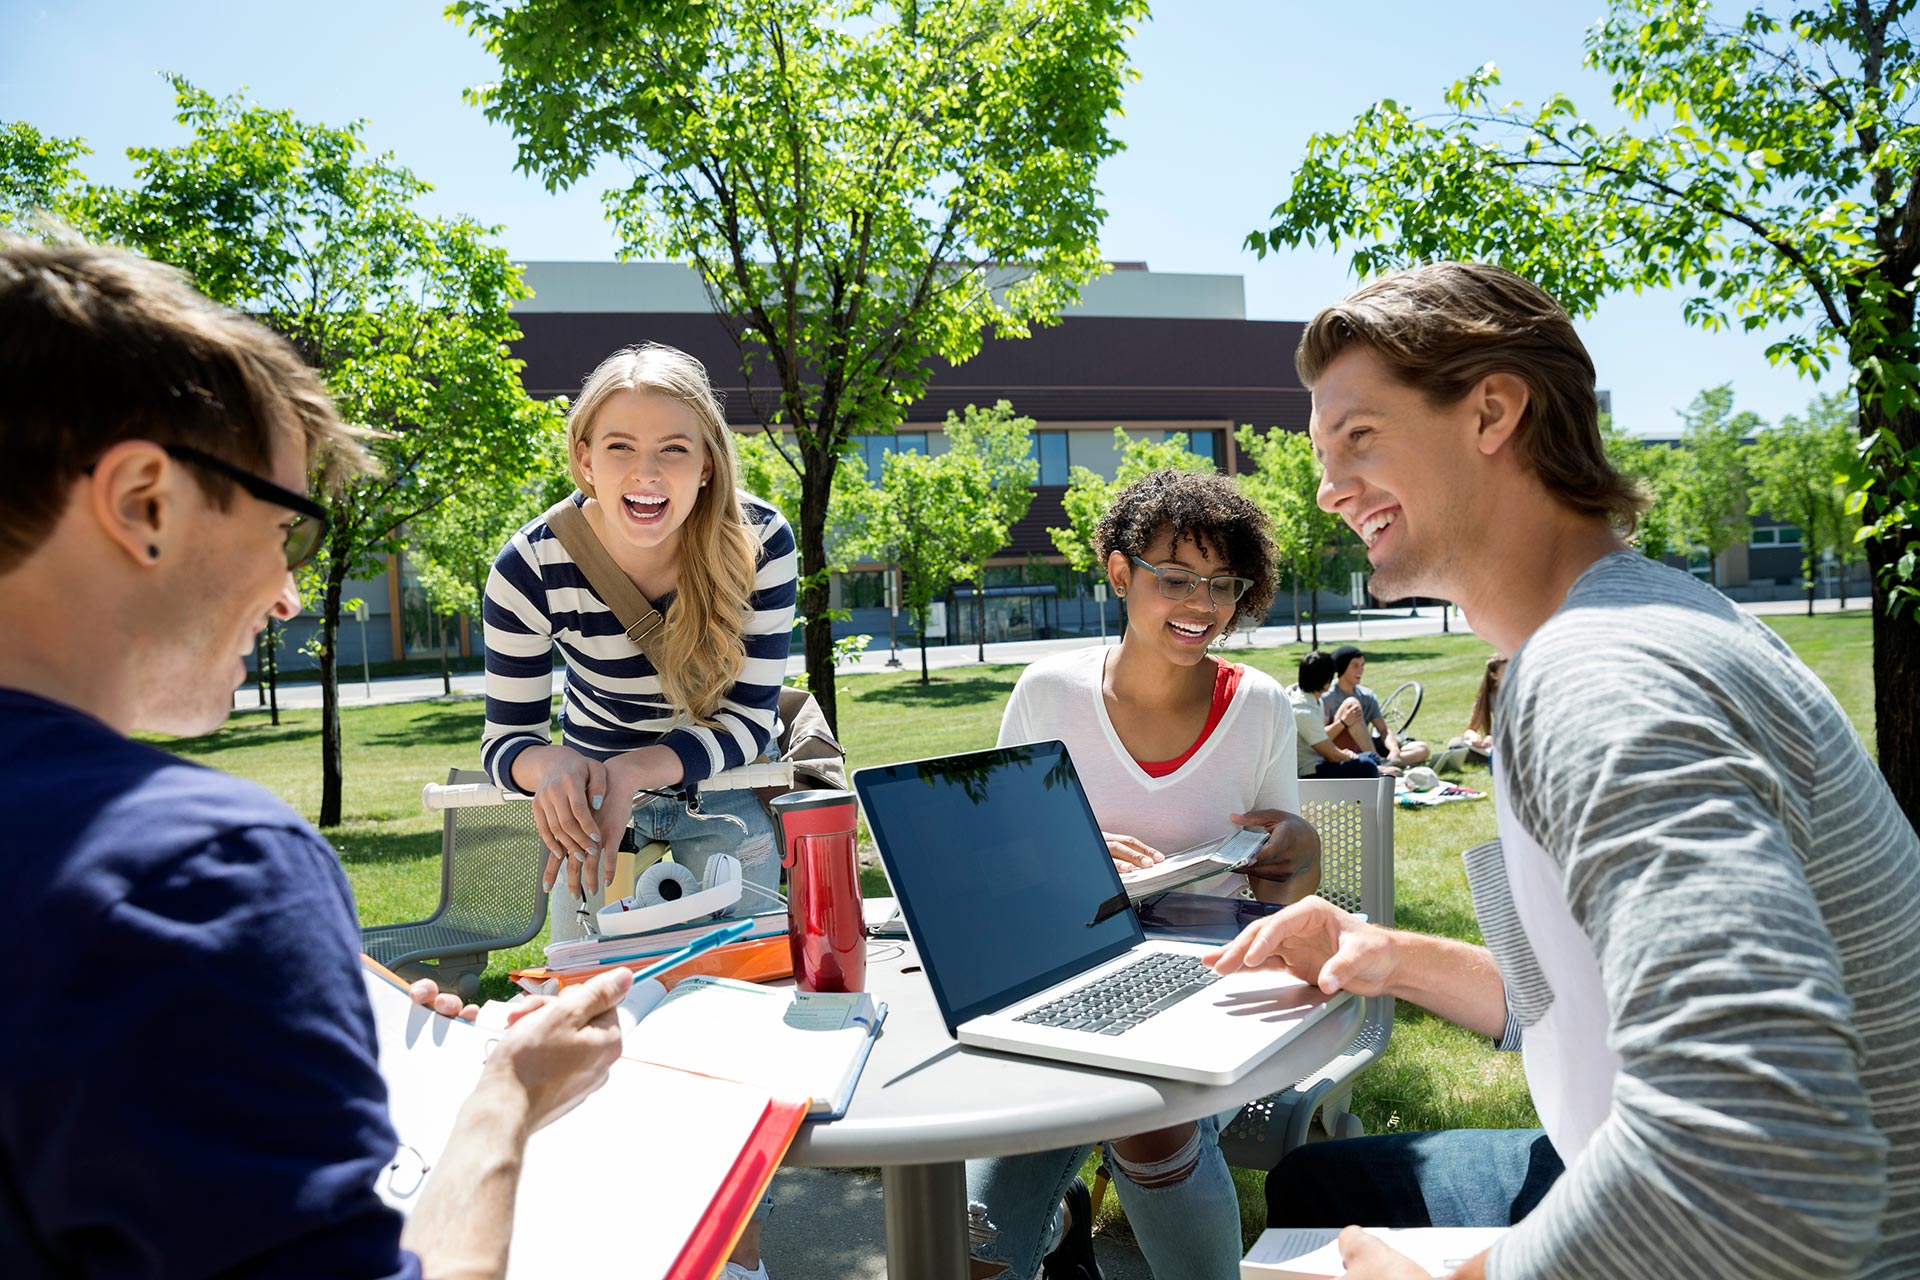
153, 552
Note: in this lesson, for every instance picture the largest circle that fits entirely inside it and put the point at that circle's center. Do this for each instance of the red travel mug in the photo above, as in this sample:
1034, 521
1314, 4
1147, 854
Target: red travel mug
826, 930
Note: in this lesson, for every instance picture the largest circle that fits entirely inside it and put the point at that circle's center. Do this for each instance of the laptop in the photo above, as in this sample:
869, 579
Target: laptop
1027, 936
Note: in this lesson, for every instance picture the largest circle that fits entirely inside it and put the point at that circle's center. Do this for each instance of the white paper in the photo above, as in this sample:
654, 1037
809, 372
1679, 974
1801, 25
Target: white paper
1308, 1252
650, 1136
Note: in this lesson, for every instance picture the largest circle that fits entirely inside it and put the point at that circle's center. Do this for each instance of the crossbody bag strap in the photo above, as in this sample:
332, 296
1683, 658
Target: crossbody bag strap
636, 613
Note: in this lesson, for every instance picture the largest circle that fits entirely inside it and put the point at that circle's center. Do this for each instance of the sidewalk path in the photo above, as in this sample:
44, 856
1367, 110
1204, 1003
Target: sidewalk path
1375, 624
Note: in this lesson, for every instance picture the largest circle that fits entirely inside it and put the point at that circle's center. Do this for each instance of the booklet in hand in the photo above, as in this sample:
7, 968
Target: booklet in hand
1233, 852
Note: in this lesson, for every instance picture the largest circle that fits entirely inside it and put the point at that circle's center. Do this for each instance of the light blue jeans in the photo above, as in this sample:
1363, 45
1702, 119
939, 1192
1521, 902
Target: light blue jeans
1188, 1230
693, 841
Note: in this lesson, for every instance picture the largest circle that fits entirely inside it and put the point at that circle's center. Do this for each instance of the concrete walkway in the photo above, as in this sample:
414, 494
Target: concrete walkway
829, 1224
1375, 624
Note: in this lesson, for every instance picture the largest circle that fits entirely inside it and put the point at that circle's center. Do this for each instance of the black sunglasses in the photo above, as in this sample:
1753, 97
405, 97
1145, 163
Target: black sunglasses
303, 535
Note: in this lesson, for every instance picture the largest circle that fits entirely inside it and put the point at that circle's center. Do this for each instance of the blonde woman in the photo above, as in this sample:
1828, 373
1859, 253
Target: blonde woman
654, 462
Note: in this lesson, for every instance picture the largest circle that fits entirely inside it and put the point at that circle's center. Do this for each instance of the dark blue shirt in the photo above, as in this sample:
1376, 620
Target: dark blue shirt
188, 1079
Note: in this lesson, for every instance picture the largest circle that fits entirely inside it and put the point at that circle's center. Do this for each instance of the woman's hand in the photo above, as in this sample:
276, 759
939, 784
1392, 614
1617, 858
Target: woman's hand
571, 792
1130, 854
652, 768
1287, 868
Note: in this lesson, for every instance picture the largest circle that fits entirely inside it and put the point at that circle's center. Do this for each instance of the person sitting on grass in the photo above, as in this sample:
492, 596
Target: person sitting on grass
1175, 747
1318, 757
1353, 715
193, 1087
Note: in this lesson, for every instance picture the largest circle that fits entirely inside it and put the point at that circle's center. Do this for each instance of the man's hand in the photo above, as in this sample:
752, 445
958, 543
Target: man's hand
1129, 853
1317, 943
558, 1049
1287, 868
1366, 1258
1350, 714
445, 1003
566, 807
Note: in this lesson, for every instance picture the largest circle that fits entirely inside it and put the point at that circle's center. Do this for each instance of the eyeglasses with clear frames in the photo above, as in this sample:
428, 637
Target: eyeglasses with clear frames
1223, 589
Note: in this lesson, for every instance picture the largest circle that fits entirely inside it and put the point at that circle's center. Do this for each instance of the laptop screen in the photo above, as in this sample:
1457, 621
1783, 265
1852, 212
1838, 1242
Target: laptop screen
1000, 871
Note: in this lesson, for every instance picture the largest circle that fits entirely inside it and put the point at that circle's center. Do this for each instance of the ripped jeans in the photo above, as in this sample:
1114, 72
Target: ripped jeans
1187, 1230
693, 841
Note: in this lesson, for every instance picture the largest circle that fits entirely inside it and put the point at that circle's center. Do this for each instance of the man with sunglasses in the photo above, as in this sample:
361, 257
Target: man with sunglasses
189, 1082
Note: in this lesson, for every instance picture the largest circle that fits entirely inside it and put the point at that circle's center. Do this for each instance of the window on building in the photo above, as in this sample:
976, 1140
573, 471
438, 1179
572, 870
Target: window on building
1049, 449
1204, 443
876, 448
1776, 535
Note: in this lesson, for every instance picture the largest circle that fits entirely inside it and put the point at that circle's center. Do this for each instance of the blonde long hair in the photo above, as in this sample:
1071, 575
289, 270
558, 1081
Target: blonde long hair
701, 651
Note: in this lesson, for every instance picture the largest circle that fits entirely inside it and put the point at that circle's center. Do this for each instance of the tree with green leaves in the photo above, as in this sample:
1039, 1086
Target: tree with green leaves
1002, 443
1709, 479
939, 518
862, 189
36, 174
1658, 534
1793, 470
1285, 482
1767, 166
405, 315
1088, 492
452, 547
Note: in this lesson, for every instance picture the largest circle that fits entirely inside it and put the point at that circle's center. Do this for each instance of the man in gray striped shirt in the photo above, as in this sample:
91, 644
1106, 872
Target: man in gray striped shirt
1701, 913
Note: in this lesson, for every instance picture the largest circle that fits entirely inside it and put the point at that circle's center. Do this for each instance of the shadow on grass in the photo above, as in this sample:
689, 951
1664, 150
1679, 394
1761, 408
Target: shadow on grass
449, 729
967, 692
235, 736
374, 849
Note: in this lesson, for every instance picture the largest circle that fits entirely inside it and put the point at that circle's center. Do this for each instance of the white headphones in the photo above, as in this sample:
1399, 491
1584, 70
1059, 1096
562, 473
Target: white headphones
668, 894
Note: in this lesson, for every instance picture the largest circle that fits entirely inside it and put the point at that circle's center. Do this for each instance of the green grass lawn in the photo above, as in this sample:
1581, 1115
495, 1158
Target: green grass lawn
1434, 1075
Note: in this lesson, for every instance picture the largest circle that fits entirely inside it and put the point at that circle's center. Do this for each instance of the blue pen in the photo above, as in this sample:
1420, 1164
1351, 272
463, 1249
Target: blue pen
706, 942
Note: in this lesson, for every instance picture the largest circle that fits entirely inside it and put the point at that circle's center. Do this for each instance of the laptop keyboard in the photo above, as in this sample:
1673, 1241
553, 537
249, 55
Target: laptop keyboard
1126, 997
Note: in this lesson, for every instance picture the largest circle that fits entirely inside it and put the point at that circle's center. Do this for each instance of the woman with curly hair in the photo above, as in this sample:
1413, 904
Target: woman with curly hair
1173, 745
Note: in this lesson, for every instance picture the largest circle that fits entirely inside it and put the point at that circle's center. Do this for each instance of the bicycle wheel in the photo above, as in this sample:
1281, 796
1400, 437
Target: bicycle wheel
1401, 706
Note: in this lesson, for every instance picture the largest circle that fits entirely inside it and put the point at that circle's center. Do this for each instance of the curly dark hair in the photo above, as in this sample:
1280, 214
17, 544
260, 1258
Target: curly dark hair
1203, 508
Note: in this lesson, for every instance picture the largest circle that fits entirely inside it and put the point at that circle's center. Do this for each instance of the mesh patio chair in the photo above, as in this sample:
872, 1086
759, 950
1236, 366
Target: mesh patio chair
490, 898
1354, 817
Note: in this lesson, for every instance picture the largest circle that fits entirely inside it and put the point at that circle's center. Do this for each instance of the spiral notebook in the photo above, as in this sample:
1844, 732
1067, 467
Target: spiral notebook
695, 1150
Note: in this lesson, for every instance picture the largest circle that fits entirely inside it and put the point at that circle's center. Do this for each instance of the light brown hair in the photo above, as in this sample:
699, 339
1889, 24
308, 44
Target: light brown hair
100, 345
703, 650
1441, 328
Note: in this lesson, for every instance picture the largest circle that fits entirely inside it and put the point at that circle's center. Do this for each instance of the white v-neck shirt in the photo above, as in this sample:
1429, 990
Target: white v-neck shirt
1246, 763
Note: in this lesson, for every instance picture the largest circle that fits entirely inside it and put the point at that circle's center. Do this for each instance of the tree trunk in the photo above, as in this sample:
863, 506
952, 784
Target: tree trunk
1843, 582
273, 668
1296, 611
332, 767
816, 588
981, 614
446, 677
1896, 653
920, 621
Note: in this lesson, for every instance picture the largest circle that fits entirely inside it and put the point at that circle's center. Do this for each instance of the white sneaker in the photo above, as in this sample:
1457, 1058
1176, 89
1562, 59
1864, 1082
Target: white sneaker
734, 1271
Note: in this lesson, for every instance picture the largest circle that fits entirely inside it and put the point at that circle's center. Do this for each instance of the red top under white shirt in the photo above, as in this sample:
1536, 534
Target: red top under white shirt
1226, 680
1243, 761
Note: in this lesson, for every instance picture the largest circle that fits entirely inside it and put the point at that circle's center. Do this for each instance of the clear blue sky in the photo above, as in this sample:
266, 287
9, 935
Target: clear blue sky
1227, 95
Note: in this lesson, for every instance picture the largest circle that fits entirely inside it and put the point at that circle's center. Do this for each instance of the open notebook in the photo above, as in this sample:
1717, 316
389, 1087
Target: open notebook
797, 1043
696, 1151
1311, 1253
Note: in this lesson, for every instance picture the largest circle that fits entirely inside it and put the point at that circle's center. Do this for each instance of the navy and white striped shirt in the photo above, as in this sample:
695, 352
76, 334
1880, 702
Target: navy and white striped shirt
538, 599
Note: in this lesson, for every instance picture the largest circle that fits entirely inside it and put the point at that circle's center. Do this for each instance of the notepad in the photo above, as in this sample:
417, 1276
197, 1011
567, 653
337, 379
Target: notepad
1311, 1253
695, 1150
790, 1042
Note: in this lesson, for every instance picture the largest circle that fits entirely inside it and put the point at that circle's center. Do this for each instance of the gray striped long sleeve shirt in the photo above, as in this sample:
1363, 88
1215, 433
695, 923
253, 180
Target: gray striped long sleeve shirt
1747, 887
